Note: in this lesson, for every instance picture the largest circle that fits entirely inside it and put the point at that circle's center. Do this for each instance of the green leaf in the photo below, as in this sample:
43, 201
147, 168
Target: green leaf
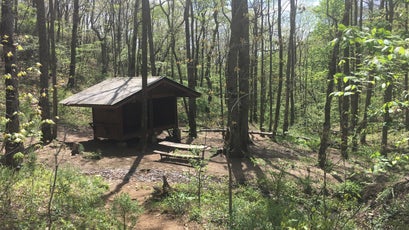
399, 50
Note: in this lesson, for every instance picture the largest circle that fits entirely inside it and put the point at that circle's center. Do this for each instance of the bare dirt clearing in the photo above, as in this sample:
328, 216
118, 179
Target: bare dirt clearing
127, 170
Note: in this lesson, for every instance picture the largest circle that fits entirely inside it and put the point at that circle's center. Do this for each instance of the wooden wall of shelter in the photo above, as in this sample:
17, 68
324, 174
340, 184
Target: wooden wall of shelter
117, 104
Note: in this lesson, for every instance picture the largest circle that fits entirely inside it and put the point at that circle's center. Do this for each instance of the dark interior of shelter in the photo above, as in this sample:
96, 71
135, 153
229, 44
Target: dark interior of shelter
124, 122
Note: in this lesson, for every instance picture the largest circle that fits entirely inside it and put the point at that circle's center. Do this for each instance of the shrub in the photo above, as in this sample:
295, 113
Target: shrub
126, 210
177, 203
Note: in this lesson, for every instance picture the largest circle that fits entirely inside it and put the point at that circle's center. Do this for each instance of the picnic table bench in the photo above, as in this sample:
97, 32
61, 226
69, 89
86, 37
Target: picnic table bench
168, 155
181, 146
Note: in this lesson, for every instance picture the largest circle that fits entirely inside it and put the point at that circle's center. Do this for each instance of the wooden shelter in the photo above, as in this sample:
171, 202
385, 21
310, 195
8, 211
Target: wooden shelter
117, 104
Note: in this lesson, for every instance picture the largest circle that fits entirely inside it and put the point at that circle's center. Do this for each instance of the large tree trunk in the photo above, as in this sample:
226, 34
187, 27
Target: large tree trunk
74, 38
44, 101
237, 83
11, 84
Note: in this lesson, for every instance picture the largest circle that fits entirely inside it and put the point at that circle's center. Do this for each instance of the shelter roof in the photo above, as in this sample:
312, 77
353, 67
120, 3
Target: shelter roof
114, 91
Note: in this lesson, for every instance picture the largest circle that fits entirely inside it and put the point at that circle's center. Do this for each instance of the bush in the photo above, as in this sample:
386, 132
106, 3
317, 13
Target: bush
126, 210
177, 203
348, 191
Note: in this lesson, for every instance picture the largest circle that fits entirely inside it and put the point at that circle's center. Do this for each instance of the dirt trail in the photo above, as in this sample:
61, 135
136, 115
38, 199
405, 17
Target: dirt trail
127, 170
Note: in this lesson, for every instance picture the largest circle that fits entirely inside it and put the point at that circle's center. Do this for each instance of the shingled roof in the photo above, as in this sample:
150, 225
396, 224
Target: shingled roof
113, 91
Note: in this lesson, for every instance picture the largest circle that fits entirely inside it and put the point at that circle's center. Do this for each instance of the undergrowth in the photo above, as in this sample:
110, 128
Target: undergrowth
276, 202
77, 204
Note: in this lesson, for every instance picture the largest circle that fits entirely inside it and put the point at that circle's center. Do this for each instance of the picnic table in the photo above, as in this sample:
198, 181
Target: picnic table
189, 147
182, 146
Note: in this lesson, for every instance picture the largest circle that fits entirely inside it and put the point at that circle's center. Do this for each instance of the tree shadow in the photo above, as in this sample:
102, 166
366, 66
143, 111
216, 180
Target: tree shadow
247, 169
109, 148
242, 169
126, 178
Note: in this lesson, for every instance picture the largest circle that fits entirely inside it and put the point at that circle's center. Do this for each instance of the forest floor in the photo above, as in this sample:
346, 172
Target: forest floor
127, 170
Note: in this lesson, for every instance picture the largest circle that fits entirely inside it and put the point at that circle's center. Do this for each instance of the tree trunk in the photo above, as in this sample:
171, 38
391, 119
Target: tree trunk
44, 101
132, 61
101, 35
118, 39
209, 59
346, 99
362, 130
407, 98
407, 74
280, 71
53, 65
263, 74
74, 39
11, 84
386, 116
388, 94
270, 78
237, 83
254, 70
144, 70
16, 16
151, 48
174, 57
290, 68
326, 128
355, 97
364, 122
190, 70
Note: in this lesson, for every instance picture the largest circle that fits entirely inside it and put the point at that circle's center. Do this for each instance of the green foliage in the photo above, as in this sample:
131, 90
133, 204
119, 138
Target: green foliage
275, 203
386, 164
24, 196
178, 202
348, 191
126, 210
393, 212
97, 155
28, 24
74, 116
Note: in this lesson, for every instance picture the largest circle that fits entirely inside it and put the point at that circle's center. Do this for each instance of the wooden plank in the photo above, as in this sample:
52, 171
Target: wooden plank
159, 152
183, 146
178, 156
261, 133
